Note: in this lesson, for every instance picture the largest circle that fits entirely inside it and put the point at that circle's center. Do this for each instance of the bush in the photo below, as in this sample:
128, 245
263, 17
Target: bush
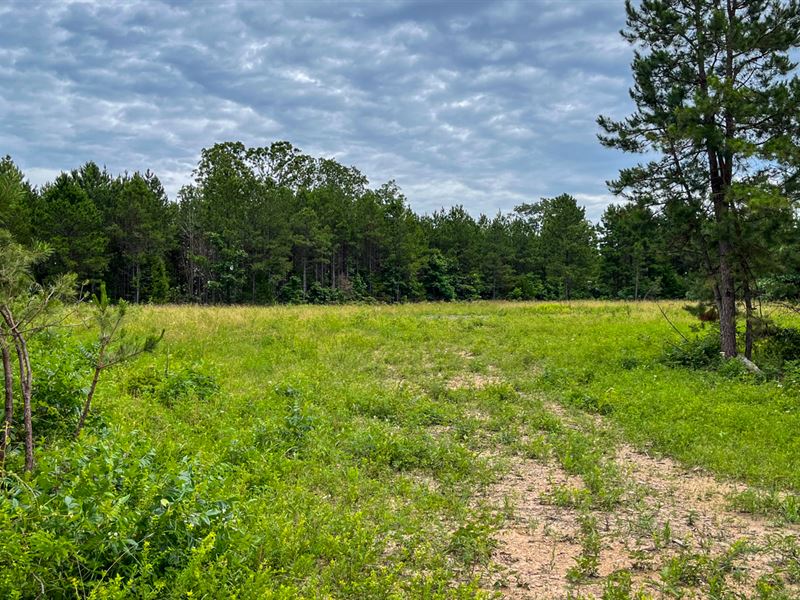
105, 512
62, 372
702, 352
791, 374
781, 344
187, 384
175, 386
321, 294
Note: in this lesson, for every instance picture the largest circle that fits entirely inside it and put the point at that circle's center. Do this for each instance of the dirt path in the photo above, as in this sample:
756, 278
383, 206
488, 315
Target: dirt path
672, 535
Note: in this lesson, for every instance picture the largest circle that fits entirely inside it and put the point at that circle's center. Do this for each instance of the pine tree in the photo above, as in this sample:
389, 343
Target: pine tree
716, 102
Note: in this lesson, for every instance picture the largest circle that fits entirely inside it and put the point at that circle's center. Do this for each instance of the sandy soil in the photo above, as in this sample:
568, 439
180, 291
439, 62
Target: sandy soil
667, 512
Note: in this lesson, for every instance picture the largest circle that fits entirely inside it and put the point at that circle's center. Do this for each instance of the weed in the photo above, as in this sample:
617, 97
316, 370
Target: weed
207, 475
619, 586
472, 543
700, 352
587, 564
569, 497
772, 503
537, 447
582, 454
296, 426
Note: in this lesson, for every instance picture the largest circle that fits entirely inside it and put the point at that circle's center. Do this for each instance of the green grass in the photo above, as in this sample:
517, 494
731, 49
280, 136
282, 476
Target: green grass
342, 452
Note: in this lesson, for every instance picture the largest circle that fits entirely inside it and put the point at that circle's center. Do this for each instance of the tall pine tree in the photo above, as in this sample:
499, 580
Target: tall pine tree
715, 101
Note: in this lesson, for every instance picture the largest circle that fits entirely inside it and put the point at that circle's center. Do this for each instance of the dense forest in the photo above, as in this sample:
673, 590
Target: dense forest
274, 225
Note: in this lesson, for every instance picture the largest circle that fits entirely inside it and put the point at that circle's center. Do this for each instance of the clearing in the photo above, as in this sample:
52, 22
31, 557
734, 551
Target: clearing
475, 450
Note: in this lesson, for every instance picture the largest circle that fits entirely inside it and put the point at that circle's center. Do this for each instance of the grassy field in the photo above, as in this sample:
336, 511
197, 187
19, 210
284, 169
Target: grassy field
361, 451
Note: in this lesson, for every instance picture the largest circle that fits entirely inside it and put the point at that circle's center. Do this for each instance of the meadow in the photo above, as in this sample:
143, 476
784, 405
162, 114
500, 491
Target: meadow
453, 450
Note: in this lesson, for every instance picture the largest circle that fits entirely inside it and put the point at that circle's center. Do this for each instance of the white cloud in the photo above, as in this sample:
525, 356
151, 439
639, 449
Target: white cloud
485, 105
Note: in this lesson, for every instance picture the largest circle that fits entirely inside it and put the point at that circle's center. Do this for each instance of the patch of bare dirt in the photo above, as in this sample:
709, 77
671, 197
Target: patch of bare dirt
669, 512
473, 381
540, 542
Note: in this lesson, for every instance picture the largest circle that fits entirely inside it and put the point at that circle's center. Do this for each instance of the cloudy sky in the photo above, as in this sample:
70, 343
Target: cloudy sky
481, 104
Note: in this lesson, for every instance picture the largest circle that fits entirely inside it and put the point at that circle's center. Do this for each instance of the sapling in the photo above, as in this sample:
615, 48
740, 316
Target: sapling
113, 345
26, 308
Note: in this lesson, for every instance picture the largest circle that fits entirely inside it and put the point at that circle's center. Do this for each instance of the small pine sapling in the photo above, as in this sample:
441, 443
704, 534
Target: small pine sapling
26, 308
113, 345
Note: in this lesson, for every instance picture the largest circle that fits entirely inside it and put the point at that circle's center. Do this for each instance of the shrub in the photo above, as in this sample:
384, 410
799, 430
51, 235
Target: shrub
108, 509
58, 388
701, 352
190, 383
791, 374
781, 344
182, 384
296, 426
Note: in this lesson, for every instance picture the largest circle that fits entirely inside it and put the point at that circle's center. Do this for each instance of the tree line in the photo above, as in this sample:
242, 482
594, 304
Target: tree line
274, 225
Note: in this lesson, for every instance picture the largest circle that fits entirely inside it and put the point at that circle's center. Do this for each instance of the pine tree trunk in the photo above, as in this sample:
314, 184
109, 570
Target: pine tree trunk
88, 404
724, 171
26, 383
305, 276
726, 303
138, 276
8, 374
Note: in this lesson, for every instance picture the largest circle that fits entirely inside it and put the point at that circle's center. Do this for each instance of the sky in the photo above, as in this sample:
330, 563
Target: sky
484, 104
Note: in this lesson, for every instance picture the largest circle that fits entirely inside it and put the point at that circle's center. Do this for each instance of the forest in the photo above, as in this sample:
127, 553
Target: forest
273, 225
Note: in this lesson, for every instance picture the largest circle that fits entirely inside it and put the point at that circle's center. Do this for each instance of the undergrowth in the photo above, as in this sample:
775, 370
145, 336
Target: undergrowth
337, 451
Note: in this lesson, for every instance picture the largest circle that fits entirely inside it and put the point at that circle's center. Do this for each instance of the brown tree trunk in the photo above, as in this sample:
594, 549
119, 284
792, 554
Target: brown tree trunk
726, 304
305, 276
719, 179
726, 295
26, 383
8, 374
723, 213
88, 404
138, 275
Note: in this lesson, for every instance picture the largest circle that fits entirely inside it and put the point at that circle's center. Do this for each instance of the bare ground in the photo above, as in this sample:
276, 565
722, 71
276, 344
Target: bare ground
672, 531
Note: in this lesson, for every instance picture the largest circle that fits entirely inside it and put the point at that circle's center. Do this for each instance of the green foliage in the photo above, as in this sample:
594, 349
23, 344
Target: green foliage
720, 163
59, 388
15, 201
768, 503
66, 217
339, 453
566, 244
699, 352
694, 570
181, 384
271, 224
472, 543
436, 278
619, 586
588, 562
186, 384
781, 345
116, 511
295, 429
159, 281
